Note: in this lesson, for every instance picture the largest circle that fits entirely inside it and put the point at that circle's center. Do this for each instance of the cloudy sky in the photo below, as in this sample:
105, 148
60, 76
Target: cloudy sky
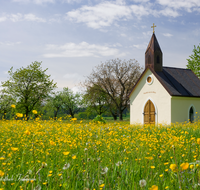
71, 37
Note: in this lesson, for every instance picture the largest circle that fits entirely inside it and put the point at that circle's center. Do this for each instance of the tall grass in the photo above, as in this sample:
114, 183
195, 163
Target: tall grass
75, 155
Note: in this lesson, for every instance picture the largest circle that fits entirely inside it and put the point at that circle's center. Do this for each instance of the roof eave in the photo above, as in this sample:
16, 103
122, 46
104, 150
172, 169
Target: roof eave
159, 79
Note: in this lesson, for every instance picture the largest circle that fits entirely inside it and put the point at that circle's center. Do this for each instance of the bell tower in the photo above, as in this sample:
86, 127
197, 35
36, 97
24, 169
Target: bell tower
153, 54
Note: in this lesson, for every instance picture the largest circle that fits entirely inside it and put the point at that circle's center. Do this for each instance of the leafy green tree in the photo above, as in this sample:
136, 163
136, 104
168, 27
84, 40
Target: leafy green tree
30, 85
55, 103
95, 100
71, 101
194, 61
5, 103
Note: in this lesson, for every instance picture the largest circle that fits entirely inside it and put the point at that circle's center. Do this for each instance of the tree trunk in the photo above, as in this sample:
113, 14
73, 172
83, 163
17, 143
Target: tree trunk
27, 118
56, 113
71, 112
114, 116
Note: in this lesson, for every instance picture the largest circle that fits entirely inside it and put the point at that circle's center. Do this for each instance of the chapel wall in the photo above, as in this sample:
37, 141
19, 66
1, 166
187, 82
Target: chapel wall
180, 108
157, 94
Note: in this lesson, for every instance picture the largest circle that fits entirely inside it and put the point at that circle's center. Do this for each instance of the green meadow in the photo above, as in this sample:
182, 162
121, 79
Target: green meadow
83, 155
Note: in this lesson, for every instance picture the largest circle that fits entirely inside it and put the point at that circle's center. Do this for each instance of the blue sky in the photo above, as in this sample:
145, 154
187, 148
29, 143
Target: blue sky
71, 37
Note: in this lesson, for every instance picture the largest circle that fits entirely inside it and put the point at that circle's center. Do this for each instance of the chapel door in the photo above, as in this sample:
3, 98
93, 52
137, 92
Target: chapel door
149, 113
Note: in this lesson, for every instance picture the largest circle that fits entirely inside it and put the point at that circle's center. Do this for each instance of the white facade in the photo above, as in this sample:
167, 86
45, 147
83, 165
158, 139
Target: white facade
168, 109
181, 107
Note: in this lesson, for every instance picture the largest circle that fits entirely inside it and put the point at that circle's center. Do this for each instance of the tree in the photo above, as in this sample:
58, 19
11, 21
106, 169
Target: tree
55, 103
95, 100
194, 61
29, 85
5, 103
71, 102
115, 78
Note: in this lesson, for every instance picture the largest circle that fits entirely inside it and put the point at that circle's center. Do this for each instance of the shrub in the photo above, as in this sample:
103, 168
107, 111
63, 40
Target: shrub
98, 119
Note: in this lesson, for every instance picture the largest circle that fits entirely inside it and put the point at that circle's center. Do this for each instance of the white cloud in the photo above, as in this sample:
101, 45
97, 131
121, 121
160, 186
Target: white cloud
123, 35
140, 46
34, 1
141, 1
40, 2
2, 19
169, 12
9, 43
117, 45
188, 5
148, 33
141, 10
20, 17
71, 1
82, 49
107, 13
167, 35
100, 15
32, 17
16, 17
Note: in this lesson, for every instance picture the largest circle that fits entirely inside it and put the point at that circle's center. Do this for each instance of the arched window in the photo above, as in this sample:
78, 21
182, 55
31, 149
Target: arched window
191, 115
158, 59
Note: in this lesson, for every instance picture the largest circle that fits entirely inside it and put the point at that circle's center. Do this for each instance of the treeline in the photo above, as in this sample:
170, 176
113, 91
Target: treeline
106, 92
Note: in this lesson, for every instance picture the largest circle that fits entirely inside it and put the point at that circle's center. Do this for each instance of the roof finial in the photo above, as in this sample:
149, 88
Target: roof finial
153, 27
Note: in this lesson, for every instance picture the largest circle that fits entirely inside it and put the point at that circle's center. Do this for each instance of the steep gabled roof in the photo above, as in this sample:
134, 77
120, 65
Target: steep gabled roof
153, 44
177, 81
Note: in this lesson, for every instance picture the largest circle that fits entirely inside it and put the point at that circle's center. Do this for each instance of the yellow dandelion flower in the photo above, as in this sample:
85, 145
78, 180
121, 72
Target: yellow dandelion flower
19, 114
14, 148
74, 157
1, 173
34, 112
198, 141
191, 166
173, 167
65, 153
154, 187
184, 166
13, 106
52, 143
27, 132
101, 186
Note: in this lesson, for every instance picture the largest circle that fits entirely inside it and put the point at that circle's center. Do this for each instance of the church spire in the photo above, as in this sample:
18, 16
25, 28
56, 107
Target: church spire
153, 54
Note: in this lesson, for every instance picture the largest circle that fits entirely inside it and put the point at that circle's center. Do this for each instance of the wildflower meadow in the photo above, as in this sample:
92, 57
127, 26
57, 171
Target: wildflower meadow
84, 155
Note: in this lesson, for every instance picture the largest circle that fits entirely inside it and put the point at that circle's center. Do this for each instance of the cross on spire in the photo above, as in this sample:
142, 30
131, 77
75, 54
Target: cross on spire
153, 27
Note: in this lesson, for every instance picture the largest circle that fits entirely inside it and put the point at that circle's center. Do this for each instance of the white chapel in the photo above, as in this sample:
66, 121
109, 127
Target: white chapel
164, 94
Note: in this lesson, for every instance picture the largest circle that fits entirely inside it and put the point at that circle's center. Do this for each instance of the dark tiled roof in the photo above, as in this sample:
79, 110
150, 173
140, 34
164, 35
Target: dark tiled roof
179, 82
